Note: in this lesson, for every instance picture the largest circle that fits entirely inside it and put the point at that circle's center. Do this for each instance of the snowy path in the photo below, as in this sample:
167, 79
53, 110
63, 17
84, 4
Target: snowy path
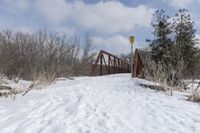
108, 104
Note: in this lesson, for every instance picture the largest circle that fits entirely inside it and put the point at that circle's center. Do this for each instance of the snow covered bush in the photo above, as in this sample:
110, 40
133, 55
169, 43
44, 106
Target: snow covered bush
8, 87
16, 86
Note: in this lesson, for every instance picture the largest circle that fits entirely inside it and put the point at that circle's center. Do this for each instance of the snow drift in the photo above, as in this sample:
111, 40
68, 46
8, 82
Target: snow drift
107, 104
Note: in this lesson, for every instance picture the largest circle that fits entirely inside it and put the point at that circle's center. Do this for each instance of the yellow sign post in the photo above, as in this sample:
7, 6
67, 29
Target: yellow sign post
132, 40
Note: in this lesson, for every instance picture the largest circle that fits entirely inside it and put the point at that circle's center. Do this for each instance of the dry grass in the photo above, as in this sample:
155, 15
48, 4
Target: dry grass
44, 78
40, 81
153, 87
194, 97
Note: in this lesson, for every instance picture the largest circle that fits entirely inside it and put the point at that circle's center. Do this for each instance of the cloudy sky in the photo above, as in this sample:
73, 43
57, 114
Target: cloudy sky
110, 23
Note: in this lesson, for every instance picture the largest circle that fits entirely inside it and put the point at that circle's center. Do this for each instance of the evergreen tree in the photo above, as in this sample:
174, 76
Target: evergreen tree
185, 40
162, 42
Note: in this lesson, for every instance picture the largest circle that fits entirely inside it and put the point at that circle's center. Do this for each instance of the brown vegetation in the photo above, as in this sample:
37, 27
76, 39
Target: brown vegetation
42, 54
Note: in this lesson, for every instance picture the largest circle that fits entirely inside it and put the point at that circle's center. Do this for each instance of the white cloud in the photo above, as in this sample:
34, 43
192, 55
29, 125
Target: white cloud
112, 17
64, 30
115, 44
16, 6
25, 29
54, 10
105, 16
180, 3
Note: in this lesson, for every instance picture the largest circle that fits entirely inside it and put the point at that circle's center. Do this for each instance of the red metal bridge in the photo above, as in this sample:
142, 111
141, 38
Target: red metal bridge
107, 63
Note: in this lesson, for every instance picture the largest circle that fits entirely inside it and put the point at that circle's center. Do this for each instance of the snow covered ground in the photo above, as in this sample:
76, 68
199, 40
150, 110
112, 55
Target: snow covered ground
107, 104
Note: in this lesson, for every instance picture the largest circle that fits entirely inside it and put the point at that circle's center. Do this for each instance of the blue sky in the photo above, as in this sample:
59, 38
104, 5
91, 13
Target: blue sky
110, 23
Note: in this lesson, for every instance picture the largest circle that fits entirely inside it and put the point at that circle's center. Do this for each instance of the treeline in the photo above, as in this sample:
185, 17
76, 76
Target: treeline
44, 54
173, 55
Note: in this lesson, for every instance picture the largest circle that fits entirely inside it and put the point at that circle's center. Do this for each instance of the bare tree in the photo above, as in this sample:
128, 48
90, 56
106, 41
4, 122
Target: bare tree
88, 55
43, 54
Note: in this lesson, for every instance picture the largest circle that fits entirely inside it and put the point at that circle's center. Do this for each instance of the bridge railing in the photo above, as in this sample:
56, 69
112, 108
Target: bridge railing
107, 63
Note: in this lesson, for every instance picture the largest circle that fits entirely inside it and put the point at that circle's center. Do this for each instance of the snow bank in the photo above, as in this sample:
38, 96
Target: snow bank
107, 104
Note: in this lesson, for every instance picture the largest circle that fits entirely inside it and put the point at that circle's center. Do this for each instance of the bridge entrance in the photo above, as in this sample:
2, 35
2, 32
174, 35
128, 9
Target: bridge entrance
107, 63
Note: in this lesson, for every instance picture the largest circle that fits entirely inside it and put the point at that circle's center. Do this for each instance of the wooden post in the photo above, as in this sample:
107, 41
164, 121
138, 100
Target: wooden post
108, 64
114, 65
135, 64
101, 63
124, 67
118, 66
